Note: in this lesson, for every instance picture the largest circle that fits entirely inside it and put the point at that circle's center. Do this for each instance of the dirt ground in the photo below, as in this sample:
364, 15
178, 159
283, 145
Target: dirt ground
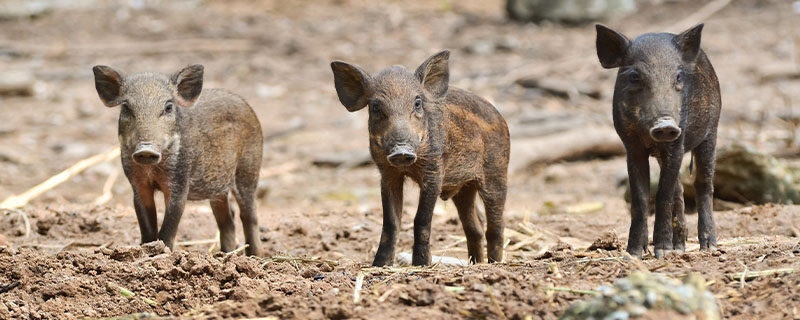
321, 225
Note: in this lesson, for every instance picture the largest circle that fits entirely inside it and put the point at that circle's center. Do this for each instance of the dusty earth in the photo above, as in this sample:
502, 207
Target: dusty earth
320, 225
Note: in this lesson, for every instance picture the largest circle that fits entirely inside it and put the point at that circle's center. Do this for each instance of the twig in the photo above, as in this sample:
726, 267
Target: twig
330, 263
386, 294
105, 197
237, 250
359, 284
750, 275
16, 201
7, 288
195, 242
591, 292
494, 302
742, 277
598, 259
704, 13
24, 220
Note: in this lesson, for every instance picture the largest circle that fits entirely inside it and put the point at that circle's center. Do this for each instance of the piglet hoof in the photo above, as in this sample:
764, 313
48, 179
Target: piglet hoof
660, 253
634, 253
708, 247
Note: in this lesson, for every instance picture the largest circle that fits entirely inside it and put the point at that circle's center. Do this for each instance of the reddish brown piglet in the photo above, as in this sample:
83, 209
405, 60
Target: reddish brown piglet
452, 143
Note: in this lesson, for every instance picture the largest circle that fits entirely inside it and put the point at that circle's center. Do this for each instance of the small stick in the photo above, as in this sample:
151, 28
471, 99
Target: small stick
591, 292
195, 242
24, 219
598, 259
16, 201
331, 263
359, 284
386, 294
749, 275
743, 275
7, 288
239, 249
494, 302
105, 197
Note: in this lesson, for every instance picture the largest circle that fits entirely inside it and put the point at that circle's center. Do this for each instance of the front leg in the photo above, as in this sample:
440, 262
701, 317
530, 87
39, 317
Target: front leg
430, 189
392, 201
175, 201
639, 178
145, 206
670, 161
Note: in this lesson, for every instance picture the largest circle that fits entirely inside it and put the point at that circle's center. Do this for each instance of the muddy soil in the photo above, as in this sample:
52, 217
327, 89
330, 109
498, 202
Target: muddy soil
321, 225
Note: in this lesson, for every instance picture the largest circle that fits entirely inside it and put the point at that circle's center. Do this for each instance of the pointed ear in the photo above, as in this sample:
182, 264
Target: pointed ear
351, 84
689, 43
188, 84
434, 73
108, 83
612, 46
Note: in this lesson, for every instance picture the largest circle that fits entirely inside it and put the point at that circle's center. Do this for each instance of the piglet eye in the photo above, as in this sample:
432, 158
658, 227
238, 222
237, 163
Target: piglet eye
635, 78
418, 103
679, 78
375, 108
168, 107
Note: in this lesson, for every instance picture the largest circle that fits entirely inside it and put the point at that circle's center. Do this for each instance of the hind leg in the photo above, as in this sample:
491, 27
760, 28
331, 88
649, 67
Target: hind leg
493, 194
678, 220
465, 204
246, 183
704, 186
227, 231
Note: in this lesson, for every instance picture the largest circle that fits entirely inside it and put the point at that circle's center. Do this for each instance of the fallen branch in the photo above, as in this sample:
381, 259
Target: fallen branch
565, 89
561, 289
584, 142
105, 197
16, 201
704, 13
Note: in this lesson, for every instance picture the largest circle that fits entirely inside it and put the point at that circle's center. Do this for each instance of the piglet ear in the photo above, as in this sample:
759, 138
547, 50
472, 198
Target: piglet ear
612, 46
108, 83
434, 73
689, 43
188, 83
351, 85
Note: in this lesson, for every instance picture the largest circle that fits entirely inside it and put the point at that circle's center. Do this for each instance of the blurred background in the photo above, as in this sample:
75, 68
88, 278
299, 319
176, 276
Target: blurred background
535, 60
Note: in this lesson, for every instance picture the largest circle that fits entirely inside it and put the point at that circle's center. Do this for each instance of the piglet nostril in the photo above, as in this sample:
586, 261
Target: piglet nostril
665, 130
402, 156
146, 154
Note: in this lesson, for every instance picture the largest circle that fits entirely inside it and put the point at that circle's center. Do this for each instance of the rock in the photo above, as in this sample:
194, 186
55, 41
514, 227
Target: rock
570, 11
650, 295
742, 175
